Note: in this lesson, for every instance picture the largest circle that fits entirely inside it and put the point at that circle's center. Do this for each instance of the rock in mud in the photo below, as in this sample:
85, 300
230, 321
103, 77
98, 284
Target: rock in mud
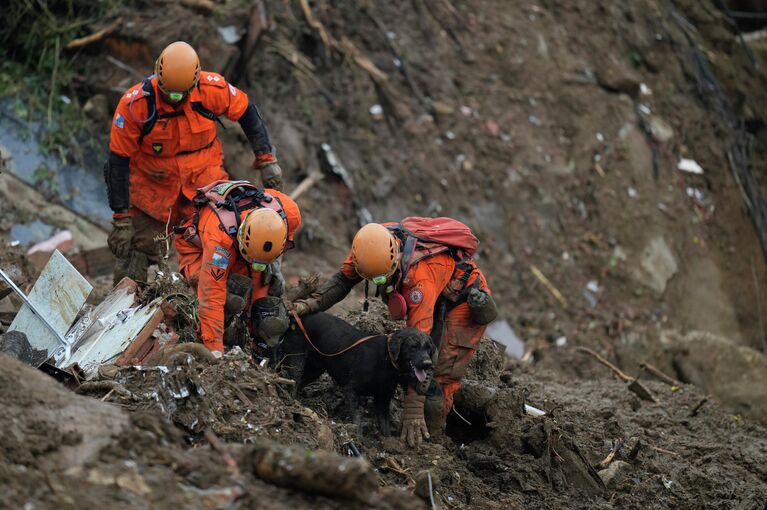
657, 265
615, 473
734, 374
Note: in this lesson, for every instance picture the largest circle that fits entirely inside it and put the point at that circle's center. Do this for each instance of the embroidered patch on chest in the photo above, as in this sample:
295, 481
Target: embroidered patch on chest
415, 296
220, 257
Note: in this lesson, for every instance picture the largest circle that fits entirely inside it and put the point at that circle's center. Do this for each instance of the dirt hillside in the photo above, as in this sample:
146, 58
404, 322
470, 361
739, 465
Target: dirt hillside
554, 129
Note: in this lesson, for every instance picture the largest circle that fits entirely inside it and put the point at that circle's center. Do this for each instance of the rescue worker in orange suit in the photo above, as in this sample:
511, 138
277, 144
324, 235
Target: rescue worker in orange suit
228, 250
163, 146
455, 323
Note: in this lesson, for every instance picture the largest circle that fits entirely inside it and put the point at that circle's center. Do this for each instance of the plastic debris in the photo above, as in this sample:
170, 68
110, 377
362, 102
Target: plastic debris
561, 341
645, 90
502, 332
535, 121
591, 293
632, 192
533, 411
690, 166
376, 111
229, 34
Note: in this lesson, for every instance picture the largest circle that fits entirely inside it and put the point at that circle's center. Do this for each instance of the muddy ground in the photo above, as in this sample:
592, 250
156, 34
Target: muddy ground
552, 128
148, 446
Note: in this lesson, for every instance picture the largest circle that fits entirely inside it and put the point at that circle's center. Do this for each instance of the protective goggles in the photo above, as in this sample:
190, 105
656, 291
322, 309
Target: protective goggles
258, 266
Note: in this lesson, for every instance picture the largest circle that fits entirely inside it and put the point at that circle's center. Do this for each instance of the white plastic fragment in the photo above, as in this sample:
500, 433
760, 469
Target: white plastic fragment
533, 411
376, 111
690, 165
645, 90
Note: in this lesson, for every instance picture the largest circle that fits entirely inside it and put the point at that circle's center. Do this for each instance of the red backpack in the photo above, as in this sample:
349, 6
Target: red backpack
424, 237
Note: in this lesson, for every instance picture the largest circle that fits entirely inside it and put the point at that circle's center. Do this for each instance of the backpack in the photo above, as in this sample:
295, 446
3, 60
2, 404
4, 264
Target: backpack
227, 199
425, 237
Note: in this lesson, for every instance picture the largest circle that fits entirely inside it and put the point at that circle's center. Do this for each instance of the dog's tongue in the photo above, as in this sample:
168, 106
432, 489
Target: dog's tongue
420, 374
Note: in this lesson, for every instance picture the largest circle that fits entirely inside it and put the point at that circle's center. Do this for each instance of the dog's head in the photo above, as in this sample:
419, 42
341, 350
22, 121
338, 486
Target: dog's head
413, 351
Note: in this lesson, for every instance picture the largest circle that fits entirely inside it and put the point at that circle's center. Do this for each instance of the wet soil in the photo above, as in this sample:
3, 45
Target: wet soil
529, 122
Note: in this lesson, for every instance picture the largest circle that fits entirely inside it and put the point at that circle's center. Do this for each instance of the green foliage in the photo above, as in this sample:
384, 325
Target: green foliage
37, 70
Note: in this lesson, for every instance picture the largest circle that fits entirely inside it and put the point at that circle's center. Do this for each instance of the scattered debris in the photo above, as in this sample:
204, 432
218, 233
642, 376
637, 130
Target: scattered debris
549, 286
502, 332
690, 166
634, 385
45, 320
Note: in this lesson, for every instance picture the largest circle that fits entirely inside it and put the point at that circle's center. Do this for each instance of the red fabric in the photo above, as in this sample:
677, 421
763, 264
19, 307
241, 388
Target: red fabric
158, 175
444, 231
203, 266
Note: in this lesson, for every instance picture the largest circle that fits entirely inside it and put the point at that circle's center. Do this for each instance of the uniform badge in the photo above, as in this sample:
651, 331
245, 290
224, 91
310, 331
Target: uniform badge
220, 257
119, 121
416, 296
157, 148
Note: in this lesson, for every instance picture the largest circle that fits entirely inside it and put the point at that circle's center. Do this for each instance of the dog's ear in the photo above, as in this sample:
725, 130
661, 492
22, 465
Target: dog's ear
395, 346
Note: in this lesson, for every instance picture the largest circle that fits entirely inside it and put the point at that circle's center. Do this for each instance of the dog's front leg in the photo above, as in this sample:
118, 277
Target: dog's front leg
383, 414
353, 407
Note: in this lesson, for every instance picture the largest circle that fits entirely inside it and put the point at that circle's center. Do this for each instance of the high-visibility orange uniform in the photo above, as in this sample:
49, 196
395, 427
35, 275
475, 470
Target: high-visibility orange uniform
421, 287
182, 151
210, 265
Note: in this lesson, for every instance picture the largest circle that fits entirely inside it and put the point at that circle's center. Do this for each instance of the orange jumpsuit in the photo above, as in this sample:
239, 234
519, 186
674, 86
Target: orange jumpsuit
421, 287
181, 153
211, 265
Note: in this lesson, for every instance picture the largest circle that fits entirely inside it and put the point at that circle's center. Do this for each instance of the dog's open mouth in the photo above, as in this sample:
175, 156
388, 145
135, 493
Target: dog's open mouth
423, 375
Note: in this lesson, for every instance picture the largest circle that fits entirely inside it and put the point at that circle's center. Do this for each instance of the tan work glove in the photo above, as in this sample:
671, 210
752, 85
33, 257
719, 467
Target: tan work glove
120, 237
271, 176
414, 429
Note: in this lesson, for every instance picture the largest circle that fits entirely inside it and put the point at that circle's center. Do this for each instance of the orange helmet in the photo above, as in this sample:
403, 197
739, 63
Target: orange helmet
261, 236
375, 253
177, 70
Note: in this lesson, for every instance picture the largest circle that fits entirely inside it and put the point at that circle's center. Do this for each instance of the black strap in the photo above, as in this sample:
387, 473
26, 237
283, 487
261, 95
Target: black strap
184, 153
151, 109
198, 107
152, 117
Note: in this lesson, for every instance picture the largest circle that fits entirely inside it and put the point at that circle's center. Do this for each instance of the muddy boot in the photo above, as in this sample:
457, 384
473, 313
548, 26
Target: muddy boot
238, 288
134, 267
435, 421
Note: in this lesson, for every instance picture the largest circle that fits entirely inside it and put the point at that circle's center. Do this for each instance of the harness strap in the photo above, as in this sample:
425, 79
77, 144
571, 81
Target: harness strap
183, 153
345, 349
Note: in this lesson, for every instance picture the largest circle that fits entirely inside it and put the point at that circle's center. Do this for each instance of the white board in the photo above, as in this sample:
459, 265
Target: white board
59, 294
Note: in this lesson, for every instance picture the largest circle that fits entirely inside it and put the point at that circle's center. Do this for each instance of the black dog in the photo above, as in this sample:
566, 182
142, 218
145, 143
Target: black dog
372, 368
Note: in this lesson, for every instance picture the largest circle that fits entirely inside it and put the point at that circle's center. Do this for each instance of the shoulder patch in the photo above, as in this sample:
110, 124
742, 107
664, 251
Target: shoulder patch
220, 257
214, 79
119, 121
415, 296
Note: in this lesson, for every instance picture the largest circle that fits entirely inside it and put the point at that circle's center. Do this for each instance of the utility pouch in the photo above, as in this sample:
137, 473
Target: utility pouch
397, 306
